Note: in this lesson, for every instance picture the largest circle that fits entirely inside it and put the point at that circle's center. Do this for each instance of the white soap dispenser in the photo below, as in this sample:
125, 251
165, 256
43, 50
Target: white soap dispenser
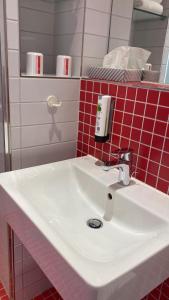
103, 118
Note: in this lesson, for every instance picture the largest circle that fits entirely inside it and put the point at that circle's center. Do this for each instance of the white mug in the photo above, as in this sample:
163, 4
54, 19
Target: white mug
34, 64
63, 66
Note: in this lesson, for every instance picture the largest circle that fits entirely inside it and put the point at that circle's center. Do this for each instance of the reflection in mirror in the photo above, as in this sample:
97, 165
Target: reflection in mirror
86, 30
149, 32
148, 29
52, 27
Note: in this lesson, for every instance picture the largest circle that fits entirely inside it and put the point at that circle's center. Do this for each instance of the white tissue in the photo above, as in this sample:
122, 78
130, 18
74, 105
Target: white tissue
158, 1
149, 5
126, 57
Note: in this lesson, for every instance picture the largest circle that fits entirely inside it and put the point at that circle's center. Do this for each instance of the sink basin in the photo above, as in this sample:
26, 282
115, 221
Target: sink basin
52, 204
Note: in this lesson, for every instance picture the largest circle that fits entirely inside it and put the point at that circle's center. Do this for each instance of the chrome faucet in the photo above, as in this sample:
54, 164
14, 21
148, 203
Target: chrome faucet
123, 164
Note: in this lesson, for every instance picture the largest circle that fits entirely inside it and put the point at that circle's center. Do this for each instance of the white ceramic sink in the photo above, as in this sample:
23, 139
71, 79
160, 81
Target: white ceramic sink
59, 199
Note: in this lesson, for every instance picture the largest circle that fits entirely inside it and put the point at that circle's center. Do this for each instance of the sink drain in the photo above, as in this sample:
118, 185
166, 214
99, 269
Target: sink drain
95, 223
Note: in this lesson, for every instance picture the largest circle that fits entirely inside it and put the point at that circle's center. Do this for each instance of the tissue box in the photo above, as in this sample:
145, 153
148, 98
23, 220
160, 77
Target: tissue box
152, 76
114, 74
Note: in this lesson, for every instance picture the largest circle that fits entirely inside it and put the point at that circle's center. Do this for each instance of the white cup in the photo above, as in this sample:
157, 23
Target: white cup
34, 64
63, 66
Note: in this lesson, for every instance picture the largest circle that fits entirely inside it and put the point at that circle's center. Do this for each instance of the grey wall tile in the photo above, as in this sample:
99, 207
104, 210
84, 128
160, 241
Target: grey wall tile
12, 9
15, 138
38, 89
96, 23
15, 118
100, 5
120, 28
40, 113
14, 89
46, 154
123, 8
40, 21
13, 34
47, 134
13, 63
95, 46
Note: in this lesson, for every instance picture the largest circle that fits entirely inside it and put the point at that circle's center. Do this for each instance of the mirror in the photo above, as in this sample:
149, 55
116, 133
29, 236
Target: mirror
87, 30
148, 29
51, 27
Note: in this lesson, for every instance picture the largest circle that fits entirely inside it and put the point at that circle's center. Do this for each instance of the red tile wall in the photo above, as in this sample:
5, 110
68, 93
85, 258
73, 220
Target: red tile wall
50, 294
140, 122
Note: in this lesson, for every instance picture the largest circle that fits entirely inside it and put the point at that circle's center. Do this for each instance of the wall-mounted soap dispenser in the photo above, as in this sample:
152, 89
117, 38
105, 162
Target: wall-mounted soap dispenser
103, 118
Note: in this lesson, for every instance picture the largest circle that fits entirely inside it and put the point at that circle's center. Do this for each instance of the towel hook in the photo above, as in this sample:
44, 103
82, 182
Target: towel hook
52, 101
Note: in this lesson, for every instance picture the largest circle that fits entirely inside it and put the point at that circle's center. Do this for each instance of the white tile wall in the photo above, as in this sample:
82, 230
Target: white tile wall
14, 89
39, 113
12, 9
102, 6
113, 43
71, 44
35, 41
68, 5
30, 114
46, 6
16, 159
46, 154
38, 89
121, 20
120, 28
95, 46
41, 22
13, 63
96, 32
13, 34
15, 116
145, 35
123, 8
96, 23
15, 137
47, 134
69, 22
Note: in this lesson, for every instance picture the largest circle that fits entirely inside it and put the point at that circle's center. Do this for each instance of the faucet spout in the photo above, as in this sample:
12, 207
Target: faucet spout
124, 173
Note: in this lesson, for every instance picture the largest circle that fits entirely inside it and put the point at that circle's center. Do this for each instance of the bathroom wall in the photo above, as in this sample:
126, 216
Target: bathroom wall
56, 28
140, 122
121, 20
68, 30
107, 26
96, 32
145, 36
38, 35
38, 135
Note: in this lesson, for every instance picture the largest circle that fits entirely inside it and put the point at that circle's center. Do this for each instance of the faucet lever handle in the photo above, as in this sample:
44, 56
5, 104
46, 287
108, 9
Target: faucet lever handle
123, 154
